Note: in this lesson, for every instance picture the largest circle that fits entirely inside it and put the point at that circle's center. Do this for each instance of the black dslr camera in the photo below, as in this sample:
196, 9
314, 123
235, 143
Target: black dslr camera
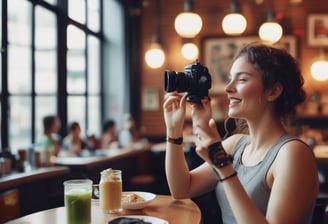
196, 81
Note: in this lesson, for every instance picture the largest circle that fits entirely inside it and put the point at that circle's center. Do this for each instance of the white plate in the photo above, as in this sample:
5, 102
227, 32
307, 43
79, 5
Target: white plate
148, 197
151, 219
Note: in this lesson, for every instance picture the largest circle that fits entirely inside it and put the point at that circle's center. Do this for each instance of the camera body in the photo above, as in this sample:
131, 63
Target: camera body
195, 80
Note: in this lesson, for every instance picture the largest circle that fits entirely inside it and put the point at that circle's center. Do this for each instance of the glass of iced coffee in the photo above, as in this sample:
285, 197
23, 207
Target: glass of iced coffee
110, 187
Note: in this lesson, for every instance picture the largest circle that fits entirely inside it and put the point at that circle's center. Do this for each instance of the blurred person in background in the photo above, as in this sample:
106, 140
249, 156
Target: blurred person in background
73, 143
50, 141
129, 133
108, 139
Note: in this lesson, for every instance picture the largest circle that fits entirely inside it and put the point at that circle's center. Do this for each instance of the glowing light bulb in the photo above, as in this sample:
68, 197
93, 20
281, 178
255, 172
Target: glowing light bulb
188, 24
189, 51
155, 56
270, 32
234, 24
319, 70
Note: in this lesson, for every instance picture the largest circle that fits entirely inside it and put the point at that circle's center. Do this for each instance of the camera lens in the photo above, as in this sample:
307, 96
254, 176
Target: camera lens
169, 81
174, 81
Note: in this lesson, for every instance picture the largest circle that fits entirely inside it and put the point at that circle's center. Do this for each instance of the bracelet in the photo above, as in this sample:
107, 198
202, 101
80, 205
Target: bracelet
225, 178
228, 177
176, 141
218, 155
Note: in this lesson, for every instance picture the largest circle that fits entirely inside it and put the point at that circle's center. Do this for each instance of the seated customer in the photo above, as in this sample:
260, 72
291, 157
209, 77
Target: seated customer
108, 139
129, 133
73, 143
50, 141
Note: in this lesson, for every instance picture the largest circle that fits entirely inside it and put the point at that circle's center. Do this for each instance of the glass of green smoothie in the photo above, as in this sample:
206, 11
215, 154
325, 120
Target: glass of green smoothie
78, 201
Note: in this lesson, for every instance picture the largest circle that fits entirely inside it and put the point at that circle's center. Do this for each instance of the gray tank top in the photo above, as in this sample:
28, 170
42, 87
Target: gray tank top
253, 178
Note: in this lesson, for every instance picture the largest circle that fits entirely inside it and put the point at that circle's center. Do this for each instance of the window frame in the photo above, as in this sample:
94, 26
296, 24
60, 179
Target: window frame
60, 11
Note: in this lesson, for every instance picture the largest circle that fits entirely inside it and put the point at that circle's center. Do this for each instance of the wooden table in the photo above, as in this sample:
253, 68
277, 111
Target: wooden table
164, 207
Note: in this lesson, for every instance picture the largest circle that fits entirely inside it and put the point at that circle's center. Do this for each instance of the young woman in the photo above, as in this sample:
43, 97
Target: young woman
73, 143
109, 138
264, 175
50, 141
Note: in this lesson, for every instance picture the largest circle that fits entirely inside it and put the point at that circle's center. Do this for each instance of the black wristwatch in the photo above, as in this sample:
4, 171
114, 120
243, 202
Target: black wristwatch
176, 141
218, 155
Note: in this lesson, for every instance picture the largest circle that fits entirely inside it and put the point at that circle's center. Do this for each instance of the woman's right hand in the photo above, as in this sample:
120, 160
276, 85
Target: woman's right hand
174, 108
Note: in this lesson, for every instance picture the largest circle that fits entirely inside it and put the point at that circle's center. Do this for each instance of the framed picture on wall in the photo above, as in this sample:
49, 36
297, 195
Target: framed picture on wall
150, 99
317, 30
218, 52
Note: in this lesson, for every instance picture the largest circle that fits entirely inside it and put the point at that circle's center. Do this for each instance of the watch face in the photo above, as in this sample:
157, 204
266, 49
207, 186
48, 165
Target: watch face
215, 155
218, 155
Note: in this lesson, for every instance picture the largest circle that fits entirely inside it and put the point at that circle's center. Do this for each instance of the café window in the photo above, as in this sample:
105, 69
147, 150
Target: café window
19, 71
83, 66
45, 66
38, 82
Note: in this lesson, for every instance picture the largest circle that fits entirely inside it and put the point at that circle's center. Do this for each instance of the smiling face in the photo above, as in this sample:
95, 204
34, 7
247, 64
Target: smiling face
247, 98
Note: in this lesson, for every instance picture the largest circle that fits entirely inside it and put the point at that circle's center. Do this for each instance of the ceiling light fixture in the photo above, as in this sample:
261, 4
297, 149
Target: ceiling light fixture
319, 68
234, 23
155, 56
189, 51
270, 31
188, 24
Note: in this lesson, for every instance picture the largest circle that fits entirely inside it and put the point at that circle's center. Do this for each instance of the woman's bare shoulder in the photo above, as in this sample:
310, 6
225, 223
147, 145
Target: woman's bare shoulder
293, 157
296, 148
294, 166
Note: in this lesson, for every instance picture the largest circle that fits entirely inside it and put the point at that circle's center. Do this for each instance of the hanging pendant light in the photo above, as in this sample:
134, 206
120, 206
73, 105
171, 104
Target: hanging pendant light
270, 31
188, 24
234, 23
189, 51
319, 68
155, 56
